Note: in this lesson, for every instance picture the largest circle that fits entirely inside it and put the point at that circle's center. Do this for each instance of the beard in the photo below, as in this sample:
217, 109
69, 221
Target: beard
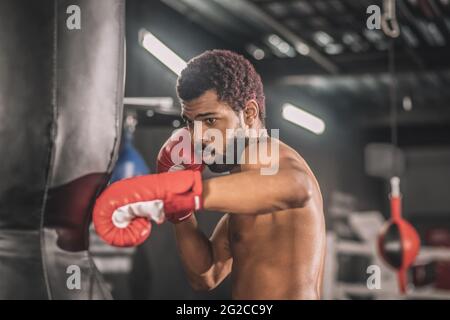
220, 168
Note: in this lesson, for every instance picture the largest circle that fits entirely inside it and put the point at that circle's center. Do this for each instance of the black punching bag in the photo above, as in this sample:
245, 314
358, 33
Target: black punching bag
61, 92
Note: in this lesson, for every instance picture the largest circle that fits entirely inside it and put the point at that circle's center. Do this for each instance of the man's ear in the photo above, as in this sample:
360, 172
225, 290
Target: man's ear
251, 112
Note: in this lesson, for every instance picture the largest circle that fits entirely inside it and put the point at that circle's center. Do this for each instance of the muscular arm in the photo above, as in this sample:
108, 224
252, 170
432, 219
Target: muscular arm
207, 261
249, 192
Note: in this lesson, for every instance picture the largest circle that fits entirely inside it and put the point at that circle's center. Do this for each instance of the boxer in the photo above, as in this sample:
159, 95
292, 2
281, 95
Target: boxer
271, 239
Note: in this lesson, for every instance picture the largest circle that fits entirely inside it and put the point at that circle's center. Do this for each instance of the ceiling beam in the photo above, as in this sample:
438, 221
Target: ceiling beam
420, 116
253, 13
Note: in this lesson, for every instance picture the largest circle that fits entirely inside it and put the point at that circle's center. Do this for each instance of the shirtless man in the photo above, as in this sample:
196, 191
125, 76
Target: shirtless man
272, 237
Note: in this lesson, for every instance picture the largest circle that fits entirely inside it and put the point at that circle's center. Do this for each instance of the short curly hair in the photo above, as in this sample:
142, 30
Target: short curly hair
232, 76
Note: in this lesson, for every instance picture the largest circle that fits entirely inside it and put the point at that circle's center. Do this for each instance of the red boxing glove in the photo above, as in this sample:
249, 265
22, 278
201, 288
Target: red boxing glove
178, 154
123, 212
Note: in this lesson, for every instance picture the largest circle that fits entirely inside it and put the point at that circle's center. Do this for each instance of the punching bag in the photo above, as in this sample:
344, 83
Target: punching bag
61, 92
130, 162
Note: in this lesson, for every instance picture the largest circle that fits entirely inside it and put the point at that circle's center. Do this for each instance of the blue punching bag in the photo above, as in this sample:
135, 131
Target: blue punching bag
130, 162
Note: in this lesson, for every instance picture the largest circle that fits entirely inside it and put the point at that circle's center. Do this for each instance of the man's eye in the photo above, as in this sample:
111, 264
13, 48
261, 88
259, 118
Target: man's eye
210, 121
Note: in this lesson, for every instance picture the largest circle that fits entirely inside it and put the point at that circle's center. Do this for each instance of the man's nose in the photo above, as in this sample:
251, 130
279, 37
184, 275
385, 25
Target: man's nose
198, 133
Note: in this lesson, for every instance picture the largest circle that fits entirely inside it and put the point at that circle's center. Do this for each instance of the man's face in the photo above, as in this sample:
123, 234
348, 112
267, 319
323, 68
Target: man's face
212, 114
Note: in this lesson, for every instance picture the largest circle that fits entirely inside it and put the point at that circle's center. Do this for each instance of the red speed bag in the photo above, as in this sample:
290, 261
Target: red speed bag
398, 241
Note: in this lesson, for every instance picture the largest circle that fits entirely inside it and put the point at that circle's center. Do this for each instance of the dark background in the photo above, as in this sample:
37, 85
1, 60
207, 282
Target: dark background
352, 99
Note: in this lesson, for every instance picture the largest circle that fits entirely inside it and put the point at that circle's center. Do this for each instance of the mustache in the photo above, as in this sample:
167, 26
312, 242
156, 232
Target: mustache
230, 145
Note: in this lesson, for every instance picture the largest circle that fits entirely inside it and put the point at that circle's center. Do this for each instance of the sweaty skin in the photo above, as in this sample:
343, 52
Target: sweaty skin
272, 239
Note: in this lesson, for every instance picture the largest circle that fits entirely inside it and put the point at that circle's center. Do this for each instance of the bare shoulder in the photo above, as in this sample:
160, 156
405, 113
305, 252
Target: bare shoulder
292, 157
272, 152
282, 156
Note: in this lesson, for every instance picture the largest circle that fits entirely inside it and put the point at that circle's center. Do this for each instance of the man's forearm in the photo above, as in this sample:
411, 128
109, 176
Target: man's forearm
252, 193
195, 248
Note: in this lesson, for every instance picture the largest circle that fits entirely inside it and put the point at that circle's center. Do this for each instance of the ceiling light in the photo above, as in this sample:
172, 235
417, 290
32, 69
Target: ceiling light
302, 48
322, 38
161, 52
302, 118
334, 48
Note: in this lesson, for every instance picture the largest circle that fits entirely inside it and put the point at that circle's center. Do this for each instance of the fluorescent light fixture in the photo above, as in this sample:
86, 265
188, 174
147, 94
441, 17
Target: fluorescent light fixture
274, 40
161, 52
255, 51
303, 119
334, 48
302, 48
281, 48
322, 38
259, 54
407, 103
